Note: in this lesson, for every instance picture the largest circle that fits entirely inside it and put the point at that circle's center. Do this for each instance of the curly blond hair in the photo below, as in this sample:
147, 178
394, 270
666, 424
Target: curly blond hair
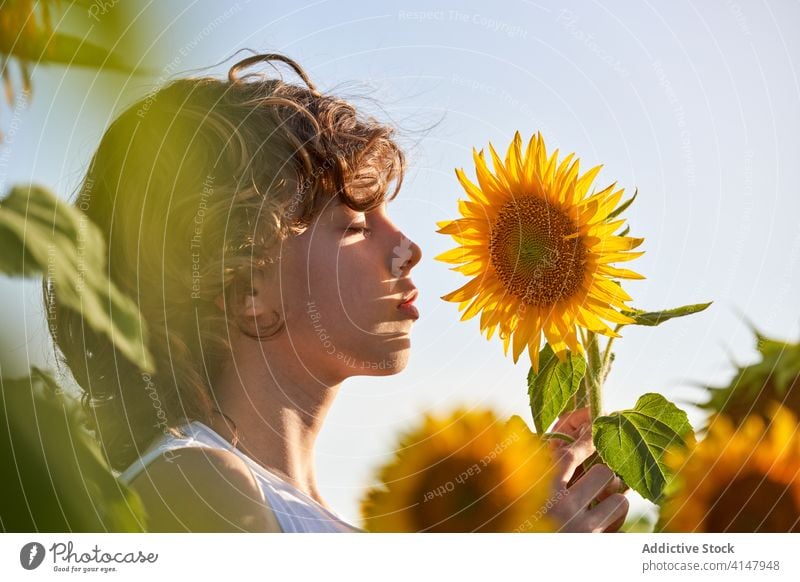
193, 186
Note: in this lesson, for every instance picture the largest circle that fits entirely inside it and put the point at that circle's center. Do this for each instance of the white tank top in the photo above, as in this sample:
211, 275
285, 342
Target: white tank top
295, 511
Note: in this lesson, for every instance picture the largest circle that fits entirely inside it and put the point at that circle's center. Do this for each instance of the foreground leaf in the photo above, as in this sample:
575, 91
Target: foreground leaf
633, 442
68, 50
54, 475
40, 235
552, 389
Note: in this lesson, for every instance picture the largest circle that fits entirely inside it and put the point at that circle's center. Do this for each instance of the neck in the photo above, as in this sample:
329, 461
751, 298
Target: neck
278, 414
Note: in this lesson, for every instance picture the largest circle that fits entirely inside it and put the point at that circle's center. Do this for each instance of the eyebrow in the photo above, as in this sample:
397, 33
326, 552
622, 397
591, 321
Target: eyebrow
346, 209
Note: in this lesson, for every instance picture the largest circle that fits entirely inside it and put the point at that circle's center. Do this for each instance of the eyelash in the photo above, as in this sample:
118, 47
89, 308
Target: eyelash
362, 229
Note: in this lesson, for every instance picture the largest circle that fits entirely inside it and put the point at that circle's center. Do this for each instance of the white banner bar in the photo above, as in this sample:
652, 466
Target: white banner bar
401, 557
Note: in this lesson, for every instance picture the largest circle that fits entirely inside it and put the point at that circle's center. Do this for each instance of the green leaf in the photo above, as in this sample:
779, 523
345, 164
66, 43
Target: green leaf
624, 206
40, 235
653, 318
55, 476
63, 49
633, 442
554, 386
38, 43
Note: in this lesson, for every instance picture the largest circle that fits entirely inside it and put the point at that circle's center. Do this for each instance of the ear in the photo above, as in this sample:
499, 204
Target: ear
248, 301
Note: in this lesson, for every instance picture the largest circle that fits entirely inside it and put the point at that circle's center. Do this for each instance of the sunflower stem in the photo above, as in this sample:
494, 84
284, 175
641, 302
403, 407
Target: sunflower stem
607, 352
582, 395
594, 376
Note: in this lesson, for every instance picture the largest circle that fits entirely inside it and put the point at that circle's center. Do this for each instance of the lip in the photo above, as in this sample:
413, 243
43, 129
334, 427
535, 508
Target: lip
409, 297
410, 310
407, 305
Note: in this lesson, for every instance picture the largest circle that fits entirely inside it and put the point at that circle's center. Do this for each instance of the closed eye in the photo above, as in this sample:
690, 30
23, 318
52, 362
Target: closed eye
360, 229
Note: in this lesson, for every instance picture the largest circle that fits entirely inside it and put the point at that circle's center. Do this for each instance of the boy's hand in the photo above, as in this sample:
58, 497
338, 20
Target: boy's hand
576, 490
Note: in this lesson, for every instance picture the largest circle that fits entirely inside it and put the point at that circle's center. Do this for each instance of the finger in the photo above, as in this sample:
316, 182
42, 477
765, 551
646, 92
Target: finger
607, 513
569, 466
588, 487
615, 486
571, 421
579, 472
579, 436
569, 458
617, 525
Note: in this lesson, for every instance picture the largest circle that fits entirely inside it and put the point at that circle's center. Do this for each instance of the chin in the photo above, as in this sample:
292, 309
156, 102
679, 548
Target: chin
382, 365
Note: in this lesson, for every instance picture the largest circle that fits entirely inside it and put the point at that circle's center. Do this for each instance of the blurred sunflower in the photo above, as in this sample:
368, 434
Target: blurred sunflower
744, 479
539, 250
464, 472
776, 378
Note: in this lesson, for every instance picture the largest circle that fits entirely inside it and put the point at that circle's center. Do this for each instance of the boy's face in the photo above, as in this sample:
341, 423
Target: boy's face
340, 287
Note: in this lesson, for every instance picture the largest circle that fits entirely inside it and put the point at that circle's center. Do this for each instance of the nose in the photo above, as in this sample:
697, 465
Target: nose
405, 255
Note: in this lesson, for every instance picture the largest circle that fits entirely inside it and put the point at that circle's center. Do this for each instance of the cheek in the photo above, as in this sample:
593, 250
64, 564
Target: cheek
333, 277
363, 280
346, 281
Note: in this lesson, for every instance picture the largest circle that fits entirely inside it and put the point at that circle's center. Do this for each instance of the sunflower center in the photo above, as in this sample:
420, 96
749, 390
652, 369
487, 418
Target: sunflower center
752, 504
530, 254
472, 503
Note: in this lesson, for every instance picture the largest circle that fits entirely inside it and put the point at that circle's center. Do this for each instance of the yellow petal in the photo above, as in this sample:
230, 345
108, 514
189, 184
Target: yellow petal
464, 292
521, 337
488, 182
549, 171
597, 197
499, 169
613, 289
483, 299
506, 340
599, 205
470, 269
535, 158
554, 335
601, 229
565, 184
618, 273
608, 300
462, 225
514, 160
541, 155
567, 327
459, 255
469, 209
583, 183
617, 243
610, 203
471, 189
590, 321
603, 310
534, 346
604, 258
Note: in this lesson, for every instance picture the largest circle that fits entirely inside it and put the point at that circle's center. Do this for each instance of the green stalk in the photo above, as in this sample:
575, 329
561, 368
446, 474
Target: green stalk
594, 376
607, 353
582, 395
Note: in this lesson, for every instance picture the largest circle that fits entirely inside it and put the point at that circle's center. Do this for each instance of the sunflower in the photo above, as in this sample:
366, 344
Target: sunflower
744, 479
539, 250
775, 378
461, 473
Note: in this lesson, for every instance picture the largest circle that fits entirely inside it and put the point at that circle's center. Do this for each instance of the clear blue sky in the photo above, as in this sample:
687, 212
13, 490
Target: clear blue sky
696, 104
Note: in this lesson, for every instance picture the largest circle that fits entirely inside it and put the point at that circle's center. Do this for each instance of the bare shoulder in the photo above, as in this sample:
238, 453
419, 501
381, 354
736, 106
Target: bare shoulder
201, 489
